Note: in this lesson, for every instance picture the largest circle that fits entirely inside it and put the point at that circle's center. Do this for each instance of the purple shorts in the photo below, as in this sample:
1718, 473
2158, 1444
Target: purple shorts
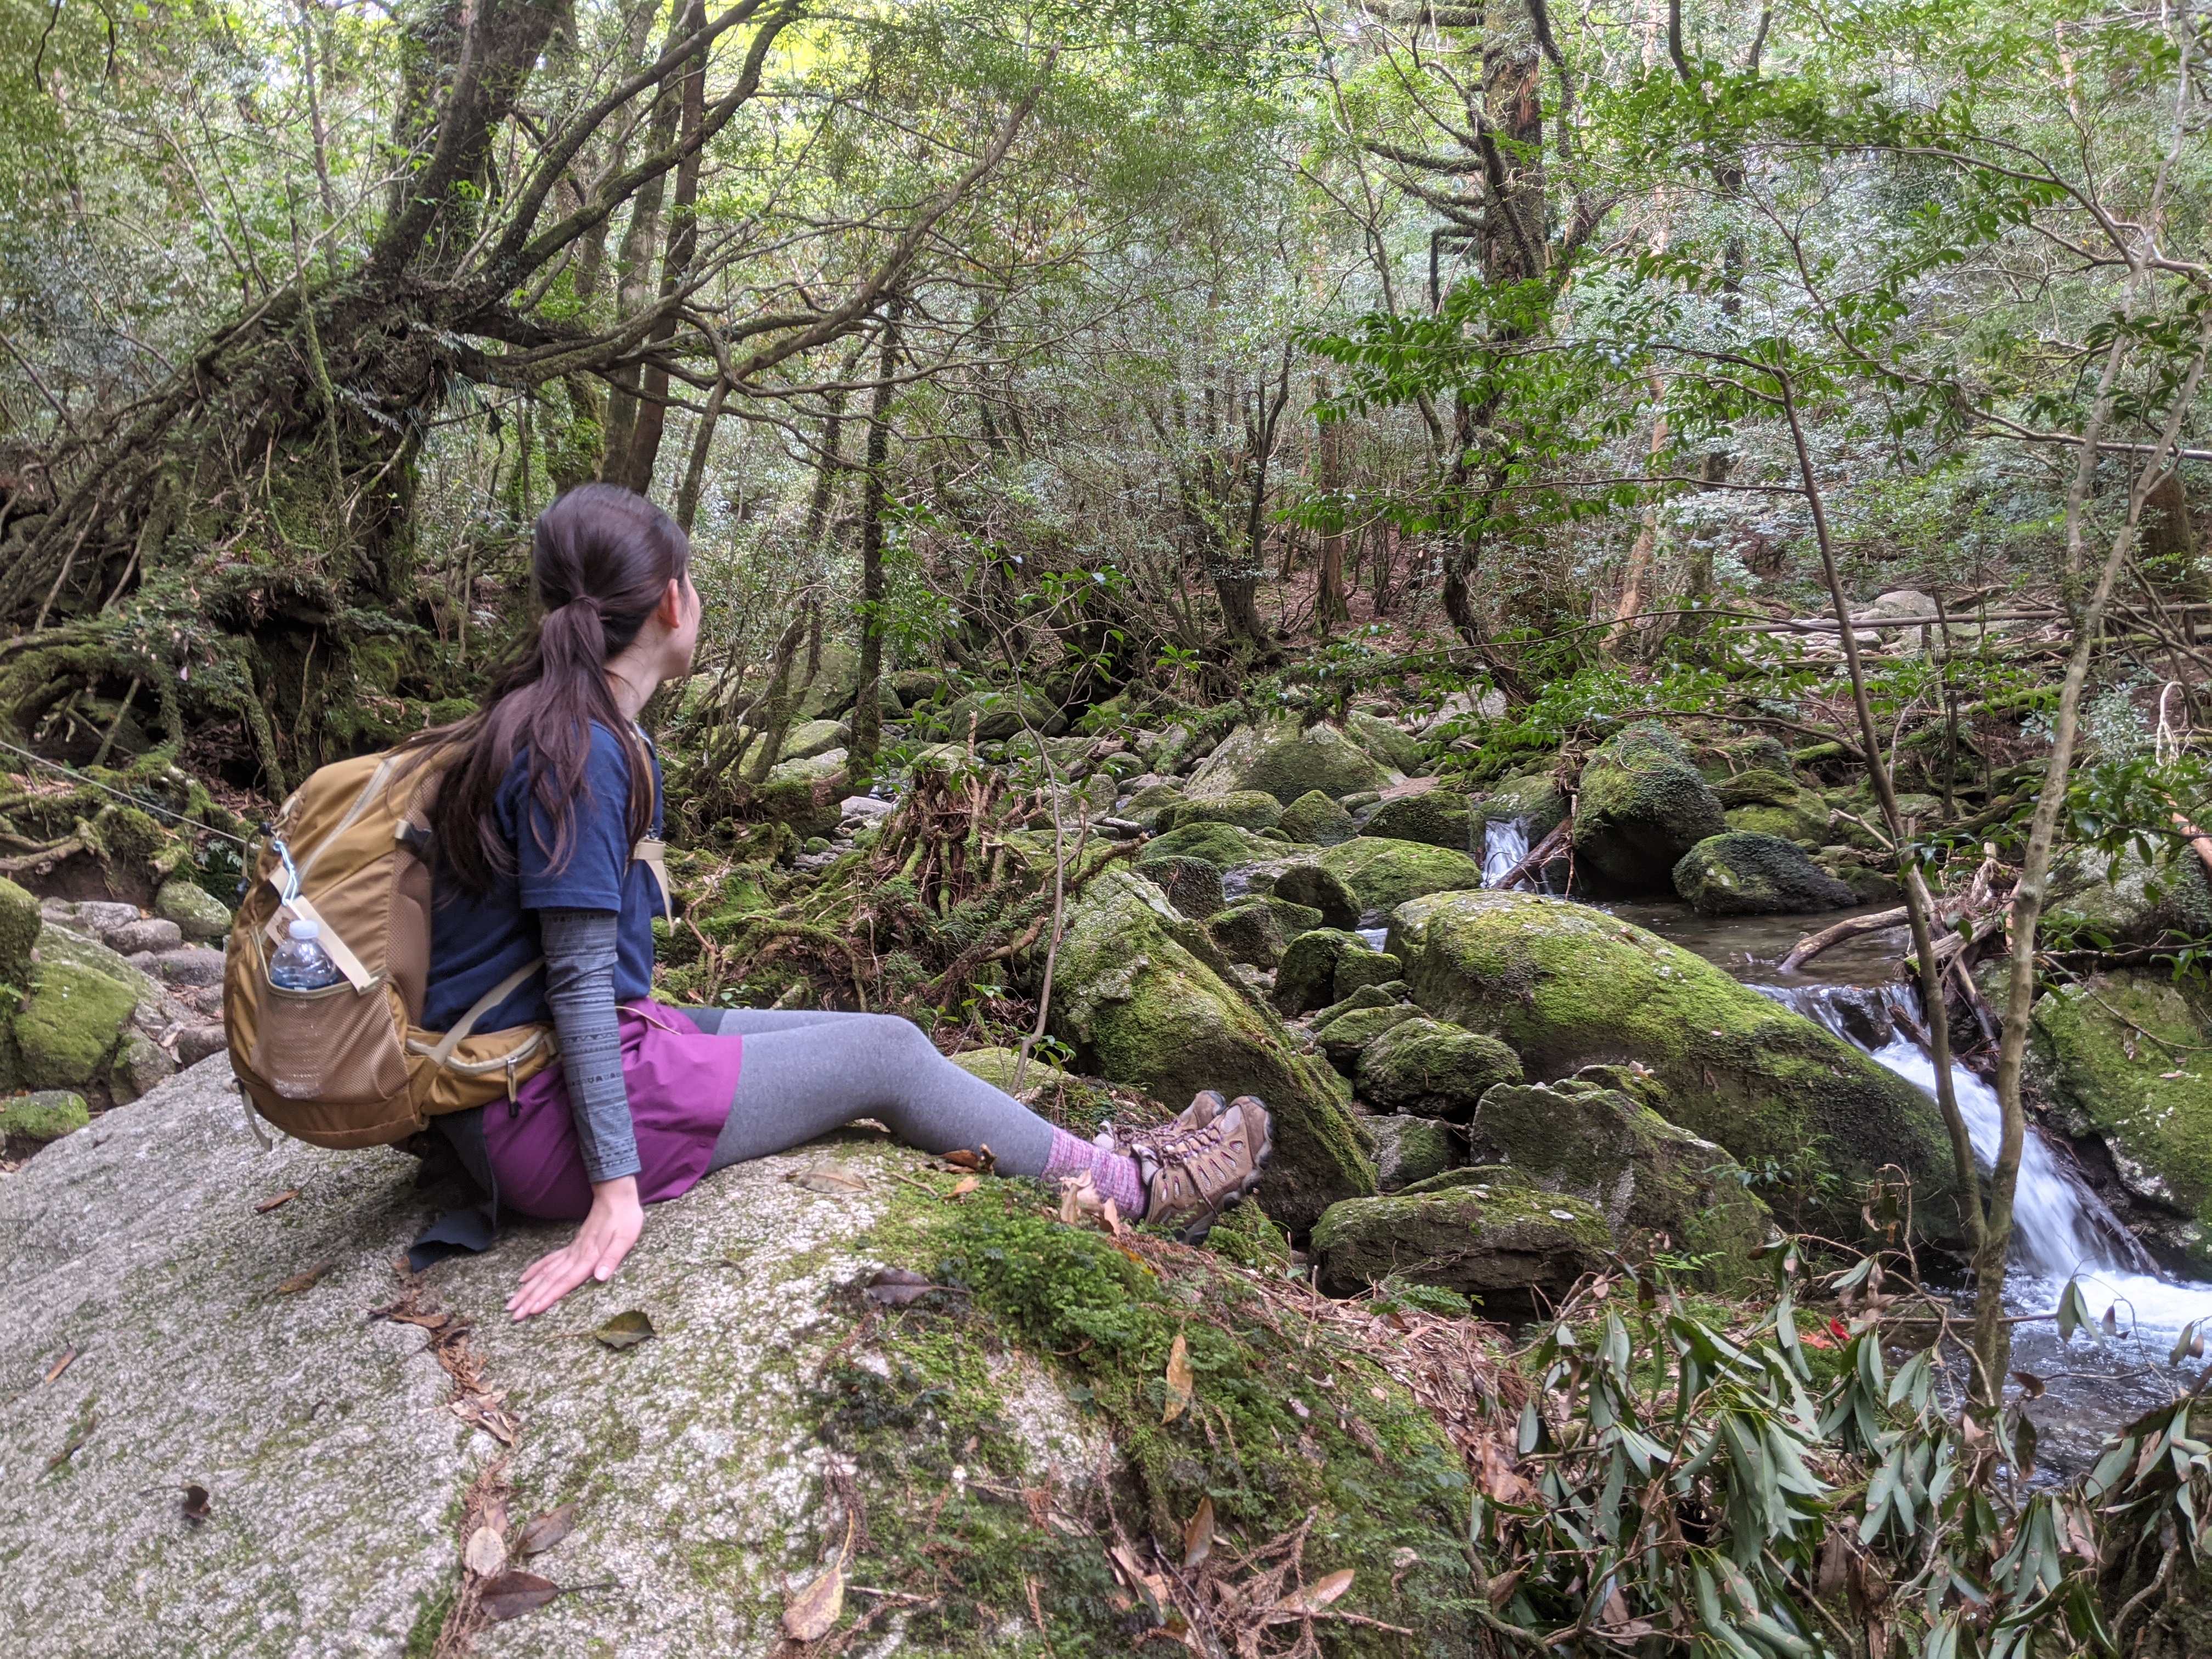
680, 1083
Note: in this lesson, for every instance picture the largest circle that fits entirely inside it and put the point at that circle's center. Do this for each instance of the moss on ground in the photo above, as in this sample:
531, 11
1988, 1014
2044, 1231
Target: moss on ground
1287, 1428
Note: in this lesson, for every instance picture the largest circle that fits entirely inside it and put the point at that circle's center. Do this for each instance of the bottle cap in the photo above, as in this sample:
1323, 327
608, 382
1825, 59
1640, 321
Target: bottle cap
302, 929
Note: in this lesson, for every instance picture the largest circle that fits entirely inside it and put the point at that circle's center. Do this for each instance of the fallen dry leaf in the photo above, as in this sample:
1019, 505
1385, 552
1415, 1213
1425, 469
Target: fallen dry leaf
896, 1287
514, 1594
968, 1184
269, 1203
72, 1445
196, 1507
304, 1278
547, 1530
1302, 1604
831, 1177
1181, 1383
59, 1365
811, 1614
486, 1554
625, 1330
1198, 1533
2031, 1382
981, 1159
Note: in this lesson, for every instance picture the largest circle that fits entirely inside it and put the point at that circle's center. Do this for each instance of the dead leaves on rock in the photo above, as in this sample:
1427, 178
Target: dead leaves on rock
898, 1287
831, 1178
1220, 1599
547, 1530
511, 1595
813, 1613
276, 1199
475, 1404
305, 1280
485, 1553
196, 1508
1197, 1534
626, 1329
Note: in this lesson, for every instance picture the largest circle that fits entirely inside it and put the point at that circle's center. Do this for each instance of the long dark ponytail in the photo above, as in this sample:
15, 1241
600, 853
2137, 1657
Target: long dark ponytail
601, 560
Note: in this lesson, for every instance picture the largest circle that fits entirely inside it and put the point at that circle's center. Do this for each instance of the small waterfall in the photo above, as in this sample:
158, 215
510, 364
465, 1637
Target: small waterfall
1505, 844
2059, 1224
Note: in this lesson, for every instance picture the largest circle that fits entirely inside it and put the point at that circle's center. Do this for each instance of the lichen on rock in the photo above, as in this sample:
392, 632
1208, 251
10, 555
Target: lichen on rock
1435, 1070
1287, 760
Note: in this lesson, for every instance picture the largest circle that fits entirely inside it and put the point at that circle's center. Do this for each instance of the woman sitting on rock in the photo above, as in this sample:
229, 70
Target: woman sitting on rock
545, 797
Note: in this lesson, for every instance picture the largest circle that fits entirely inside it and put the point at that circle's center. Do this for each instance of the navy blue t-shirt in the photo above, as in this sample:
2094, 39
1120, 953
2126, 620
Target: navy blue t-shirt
475, 942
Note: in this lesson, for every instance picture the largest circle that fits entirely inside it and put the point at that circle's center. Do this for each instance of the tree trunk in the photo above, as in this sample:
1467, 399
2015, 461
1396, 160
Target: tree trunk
867, 710
1330, 610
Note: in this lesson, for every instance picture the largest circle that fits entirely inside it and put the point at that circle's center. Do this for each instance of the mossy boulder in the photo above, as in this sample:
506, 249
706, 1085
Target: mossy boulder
1566, 985
1512, 1250
1153, 807
1243, 809
1647, 1177
1642, 805
1391, 745
70, 1025
2121, 1058
1533, 799
1286, 761
1758, 788
1314, 820
811, 737
1222, 845
1735, 757
2130, 899
1193, 885
1869, 883
1247, 932
1410, 1149
19, 935
1144, 998
1740, 874
1435, 817
1343, 1037
995, 713
807, 795
1434, 1070
1291, 919
1328, 965
1384, 873
46, 1115
1322, 889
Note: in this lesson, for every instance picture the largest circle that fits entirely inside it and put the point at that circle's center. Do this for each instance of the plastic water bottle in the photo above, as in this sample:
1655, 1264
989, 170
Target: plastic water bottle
300, 964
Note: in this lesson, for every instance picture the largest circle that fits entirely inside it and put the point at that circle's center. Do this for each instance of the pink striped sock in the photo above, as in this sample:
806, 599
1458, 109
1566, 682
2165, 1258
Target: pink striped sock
1114, 1174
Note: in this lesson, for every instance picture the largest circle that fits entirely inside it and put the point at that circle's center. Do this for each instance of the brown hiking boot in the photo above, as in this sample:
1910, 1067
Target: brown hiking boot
1193, 1171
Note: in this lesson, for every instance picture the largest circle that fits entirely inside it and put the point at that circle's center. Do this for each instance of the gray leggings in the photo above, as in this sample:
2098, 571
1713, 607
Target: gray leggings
806, 1072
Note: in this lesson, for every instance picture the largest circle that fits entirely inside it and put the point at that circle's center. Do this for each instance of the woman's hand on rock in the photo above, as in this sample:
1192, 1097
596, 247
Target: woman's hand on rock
607, 1236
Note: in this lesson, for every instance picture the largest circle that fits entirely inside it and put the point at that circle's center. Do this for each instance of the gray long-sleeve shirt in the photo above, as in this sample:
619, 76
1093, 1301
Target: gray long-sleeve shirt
580, 987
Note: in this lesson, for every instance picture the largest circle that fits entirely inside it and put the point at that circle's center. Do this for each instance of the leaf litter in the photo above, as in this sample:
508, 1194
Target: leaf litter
626, 1329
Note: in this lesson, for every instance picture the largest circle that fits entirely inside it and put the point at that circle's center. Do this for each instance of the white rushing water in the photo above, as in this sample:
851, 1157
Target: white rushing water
2062, 1228
1505, 844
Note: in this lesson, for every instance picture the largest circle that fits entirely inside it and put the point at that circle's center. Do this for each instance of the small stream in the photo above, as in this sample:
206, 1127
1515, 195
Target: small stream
2062, 1227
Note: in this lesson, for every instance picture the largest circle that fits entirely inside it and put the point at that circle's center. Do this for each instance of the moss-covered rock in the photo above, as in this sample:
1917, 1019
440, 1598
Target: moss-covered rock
811, 737
46, 1115
1222, 845
1566, 985
1435, 817
2130, 900
1757, 788
1646, 1176
1243, 809
19, 937
2122, 1057
1384, 874
1735, 757
1193, 885
1153, 807
1410, 1149
1642, 805
1306, 978
1137, 997
1531, 799
1511, 1249
1314, 820
1286, 761
1343, 1037
1391, 745
1291, 919
806, 795
1355, 970
995, 713
1802, 817
1247, 932
70, 1025
1321, 890
1435, 1070
1869, 883
1740, 874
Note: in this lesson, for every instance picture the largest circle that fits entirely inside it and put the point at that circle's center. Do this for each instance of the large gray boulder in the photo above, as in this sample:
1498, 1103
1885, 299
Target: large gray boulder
1515, 1250
1745, 874
1285, 761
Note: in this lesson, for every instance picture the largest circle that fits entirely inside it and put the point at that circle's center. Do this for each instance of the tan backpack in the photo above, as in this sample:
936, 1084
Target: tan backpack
346, 852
